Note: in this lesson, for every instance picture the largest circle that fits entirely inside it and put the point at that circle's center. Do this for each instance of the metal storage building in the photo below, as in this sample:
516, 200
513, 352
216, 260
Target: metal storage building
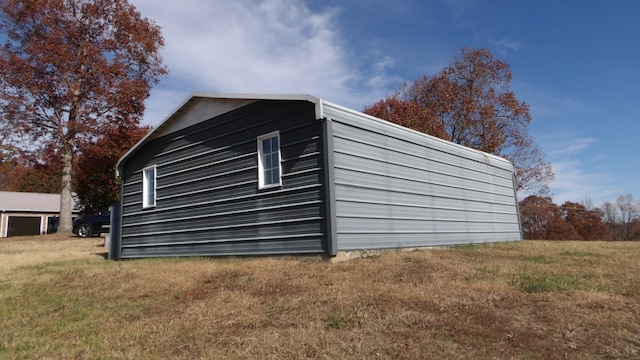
251, 174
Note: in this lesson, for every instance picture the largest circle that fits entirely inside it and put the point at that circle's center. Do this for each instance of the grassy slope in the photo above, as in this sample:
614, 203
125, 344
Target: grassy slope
525, 300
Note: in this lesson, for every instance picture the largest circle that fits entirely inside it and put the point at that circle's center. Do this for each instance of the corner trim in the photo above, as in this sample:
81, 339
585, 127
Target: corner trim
515, 197
330, 187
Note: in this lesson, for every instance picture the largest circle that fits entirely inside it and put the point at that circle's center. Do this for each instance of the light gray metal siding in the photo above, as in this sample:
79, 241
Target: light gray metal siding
208, 201
397, 188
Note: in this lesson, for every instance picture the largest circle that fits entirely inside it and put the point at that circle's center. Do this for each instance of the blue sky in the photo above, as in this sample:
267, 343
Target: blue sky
576, 63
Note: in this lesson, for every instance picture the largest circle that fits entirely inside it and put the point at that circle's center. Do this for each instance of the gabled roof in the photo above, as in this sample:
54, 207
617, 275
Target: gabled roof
29, 202
225, 102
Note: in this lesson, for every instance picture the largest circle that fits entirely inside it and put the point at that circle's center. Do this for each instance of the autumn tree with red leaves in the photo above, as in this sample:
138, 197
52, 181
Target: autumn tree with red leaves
96, 185
587, 222
10, 169
69, 69
42, 172
536, 217
30, 172
470, 103
541, 219
409, 114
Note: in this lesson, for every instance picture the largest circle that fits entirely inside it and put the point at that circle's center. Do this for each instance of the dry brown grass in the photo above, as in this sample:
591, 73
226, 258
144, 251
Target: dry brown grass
17, 252
525, 300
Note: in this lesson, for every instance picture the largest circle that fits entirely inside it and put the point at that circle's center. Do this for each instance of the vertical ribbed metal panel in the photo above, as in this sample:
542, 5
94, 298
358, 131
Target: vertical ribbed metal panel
398, 188
208, 201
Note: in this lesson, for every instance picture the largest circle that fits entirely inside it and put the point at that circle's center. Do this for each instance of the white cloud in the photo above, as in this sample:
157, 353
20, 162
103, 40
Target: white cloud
380, 78
573, 183
506, 42
256, 46
564, 145
578, 173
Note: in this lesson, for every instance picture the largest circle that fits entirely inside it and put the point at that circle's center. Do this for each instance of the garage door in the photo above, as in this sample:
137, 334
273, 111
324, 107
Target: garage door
23, 226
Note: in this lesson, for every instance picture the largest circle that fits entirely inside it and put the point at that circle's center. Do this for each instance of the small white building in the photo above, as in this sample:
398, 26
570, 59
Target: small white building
24, 214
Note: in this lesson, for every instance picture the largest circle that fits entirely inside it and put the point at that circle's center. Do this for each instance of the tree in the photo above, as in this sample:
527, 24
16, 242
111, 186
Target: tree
68, 68
42, 173
542, 219
408, 114
97, 186
10, 170
30, 172
622, 217
610, 217
536, 217
598, 229
470, 103
629, 215
587, 223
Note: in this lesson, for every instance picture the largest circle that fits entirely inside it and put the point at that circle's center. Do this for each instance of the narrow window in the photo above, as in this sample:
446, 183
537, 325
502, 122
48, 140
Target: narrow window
149, 187
269, 170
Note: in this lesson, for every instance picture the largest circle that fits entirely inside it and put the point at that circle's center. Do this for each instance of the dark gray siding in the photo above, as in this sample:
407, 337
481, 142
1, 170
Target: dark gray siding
397, 188
208, 201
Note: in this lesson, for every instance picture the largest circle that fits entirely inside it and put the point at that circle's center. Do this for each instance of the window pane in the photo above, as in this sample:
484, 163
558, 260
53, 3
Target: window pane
268, 161
276, 170
274, 143
266, 146
267, 177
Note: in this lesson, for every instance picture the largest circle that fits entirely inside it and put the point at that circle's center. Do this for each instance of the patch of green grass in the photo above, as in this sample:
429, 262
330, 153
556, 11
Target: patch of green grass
577, 253
583, 258
471, 247
335, 321
10, 252
539, 281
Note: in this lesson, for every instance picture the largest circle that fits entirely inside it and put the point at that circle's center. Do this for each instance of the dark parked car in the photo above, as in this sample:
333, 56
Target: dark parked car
93, 224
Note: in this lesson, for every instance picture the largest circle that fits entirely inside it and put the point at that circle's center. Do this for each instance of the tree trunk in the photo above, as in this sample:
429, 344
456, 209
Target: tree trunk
66, 205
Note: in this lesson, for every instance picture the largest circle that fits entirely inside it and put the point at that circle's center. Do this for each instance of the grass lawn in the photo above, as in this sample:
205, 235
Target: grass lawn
59, 298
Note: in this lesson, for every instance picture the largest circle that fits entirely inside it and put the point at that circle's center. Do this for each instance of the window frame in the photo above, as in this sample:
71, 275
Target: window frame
262, 183
146, 204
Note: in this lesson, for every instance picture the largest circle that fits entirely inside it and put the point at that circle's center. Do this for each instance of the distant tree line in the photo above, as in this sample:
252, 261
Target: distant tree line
542, 219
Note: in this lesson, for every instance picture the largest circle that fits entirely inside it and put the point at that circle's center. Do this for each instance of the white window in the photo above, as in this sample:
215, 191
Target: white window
269, 169
149, 187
